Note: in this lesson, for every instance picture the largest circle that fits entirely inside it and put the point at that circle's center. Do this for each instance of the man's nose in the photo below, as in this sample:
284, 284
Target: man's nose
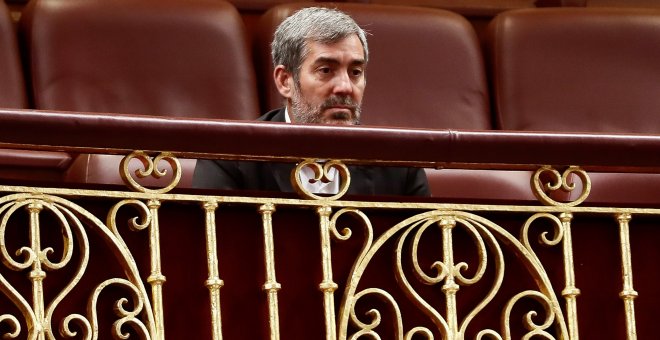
343, 84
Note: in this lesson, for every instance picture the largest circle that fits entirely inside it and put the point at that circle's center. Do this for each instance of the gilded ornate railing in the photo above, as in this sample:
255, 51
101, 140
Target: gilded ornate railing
446, 273
381, 270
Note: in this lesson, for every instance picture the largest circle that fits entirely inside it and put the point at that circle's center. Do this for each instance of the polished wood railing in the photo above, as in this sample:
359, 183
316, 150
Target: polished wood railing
162, 262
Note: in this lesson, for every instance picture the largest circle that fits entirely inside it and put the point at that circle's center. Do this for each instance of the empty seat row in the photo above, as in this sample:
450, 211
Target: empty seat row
588, 70
168, 58
580, 70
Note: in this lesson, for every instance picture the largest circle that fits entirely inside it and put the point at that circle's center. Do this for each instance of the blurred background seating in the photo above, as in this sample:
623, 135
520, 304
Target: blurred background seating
21, 164
186, 59
546, 69
580, 70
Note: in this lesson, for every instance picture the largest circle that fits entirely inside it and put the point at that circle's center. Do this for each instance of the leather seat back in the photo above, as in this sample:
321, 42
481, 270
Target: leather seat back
150, 57
577, 69
581, 70
165, 57
21, 164
12, 86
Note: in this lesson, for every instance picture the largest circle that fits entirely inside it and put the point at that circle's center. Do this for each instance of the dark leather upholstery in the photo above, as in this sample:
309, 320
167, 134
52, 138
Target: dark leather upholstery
12, 87
271, 140
577, 70
155, 57
583, 70
21, 164
426, 70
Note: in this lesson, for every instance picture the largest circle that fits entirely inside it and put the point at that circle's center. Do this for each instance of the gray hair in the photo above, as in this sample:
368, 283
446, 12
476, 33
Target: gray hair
318, 24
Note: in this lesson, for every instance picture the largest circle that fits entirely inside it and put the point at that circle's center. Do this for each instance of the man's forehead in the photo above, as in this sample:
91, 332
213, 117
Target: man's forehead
350, 45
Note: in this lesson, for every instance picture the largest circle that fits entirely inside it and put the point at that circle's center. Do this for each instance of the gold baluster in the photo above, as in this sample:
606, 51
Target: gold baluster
327, 286
271, 286
37, 275
450, 288
156, 279
570, 292
628, 294
213, 283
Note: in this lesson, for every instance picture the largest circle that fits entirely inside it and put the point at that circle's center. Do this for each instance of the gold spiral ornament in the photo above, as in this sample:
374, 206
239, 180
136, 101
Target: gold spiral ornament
560, 182
321, 173
360, 317
150, 169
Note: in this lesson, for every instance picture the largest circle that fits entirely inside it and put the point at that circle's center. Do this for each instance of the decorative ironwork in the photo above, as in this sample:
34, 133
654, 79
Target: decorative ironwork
561, 182
327, 286
415, 268
127, 317
448, 273
213, 283
271, 286
321, 173
570, 292
150, 168
75, 223
628, 294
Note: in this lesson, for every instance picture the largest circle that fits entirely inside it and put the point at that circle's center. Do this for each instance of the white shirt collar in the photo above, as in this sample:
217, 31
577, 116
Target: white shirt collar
286, 114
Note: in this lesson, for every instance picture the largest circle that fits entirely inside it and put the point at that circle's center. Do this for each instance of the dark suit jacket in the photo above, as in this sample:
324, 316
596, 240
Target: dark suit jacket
272, 176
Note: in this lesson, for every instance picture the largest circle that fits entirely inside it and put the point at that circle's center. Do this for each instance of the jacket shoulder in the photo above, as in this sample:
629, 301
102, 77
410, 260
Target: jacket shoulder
273, 116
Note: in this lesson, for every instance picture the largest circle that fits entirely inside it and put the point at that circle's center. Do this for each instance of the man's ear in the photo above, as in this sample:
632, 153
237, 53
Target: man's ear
284, 81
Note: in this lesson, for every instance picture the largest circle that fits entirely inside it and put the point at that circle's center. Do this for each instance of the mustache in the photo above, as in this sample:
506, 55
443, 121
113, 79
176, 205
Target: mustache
333, 101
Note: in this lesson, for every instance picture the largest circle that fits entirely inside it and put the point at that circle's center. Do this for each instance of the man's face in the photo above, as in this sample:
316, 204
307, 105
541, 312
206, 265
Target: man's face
331, 83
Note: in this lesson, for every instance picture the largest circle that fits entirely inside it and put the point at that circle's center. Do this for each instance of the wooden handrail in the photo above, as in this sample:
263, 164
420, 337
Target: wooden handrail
203, 138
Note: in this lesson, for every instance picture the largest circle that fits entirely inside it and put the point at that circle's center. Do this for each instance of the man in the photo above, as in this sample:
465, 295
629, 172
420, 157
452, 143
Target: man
320, 57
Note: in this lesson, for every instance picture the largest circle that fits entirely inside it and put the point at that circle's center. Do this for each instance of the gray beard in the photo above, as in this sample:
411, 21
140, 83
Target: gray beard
305, 113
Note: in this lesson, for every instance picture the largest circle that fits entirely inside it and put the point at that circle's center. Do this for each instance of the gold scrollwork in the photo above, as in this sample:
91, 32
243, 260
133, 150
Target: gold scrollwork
150, 168
13, 322
535, 329
543, 237
37, 257
449, 271
75, 223
134, 223
321, 173
346, 233
560, 182
488, 238
127, 316
368, 328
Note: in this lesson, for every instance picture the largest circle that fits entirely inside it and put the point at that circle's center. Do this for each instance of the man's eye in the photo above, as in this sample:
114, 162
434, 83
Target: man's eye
324, 70
357, 72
